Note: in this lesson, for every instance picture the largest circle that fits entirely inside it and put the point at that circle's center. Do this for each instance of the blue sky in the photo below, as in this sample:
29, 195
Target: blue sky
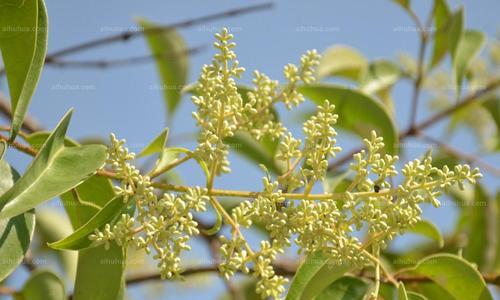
121, 100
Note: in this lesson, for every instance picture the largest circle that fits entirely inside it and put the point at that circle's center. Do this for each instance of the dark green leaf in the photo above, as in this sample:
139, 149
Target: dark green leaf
55, 170
23, 52
172, 62
315, 274
358, 112
43, 285
345, 288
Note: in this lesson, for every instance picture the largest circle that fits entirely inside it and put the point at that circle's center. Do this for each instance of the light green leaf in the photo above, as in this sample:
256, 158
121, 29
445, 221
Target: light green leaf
37, 139
55, 170
428, 229
170, 153
16, 233
342, 61
380, 75
315, 274
455, 275
358, 112
468, 48
79, 239
52, 225
402, 292
345, 288
172, 62
23, 52
493, 106
157, 145
43, 285
81, 206
441, 15
3, 148
416, 296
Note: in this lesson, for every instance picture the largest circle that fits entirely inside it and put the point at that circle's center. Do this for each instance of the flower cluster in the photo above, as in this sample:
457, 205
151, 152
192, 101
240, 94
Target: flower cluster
328, 222
163, 224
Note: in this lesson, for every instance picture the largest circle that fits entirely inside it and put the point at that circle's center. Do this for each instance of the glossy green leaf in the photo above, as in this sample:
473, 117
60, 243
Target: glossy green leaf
428, 229
468, 48
172, 62
345, 288
441, 16
358, 112
315, 274
23, 52
15, 233
342, 61
455, 275
52, 225
258, 152
380, 75
79, 239
157, 145
55, 170
43, 285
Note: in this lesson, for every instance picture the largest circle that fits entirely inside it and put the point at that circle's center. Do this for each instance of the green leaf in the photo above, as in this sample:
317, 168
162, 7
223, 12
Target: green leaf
81, 206
23, 52
468, 48
428, 229
402, 292
345, 288
380, 75
455, 33
79, 239
37, 139
170, 153
493, 106
157, 145
3, 148
342, 61
172, 62
258, 152
416, 296
455, 275
43, 285
476, 227
441, 15
358, 112
55, 170
403, 3
15, 233
52, 225
496, 263
315, 274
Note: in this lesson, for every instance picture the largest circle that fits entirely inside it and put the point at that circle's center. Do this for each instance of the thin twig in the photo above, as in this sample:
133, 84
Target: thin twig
129, 34
121, 62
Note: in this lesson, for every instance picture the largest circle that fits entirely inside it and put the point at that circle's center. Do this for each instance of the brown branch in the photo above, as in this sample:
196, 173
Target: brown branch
103, 64
413, 131
129, 34
470, 158
29, 124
